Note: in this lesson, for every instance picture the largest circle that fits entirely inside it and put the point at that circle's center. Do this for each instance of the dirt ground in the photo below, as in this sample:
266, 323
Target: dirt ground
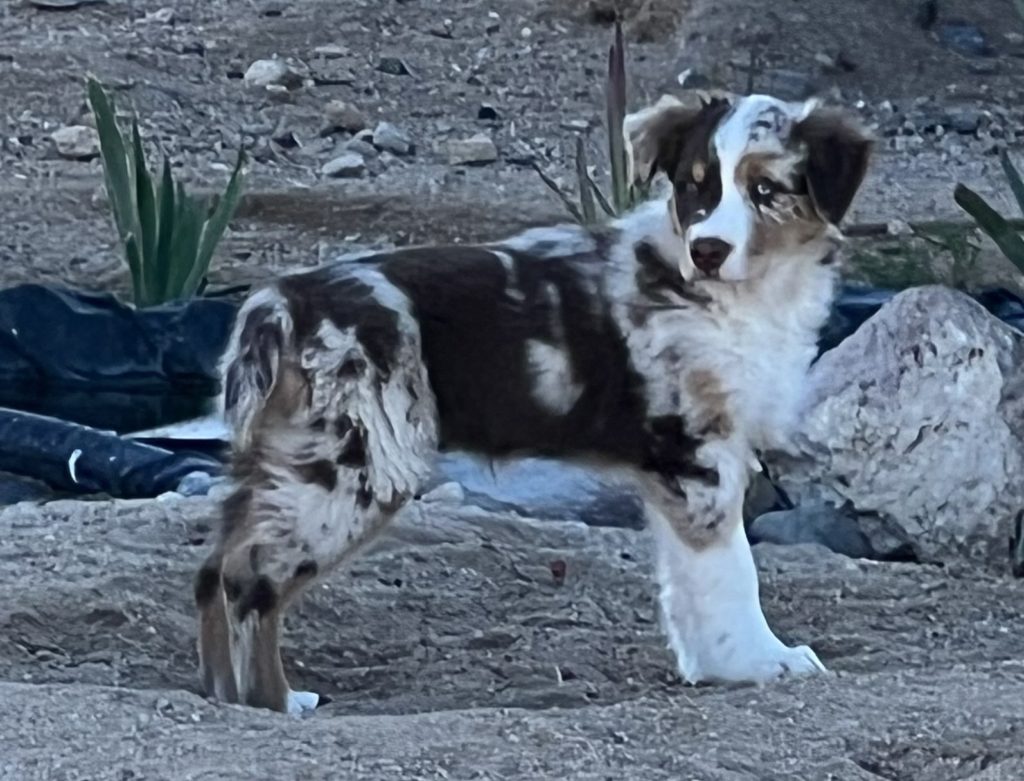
538, 63
449, 652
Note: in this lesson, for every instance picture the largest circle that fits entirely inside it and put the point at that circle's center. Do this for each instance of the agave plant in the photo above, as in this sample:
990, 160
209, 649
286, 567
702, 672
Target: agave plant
999, 229
624, 196
169, 236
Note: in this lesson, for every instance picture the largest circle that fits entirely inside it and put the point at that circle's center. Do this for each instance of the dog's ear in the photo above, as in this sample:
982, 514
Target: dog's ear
838, 152
656, 136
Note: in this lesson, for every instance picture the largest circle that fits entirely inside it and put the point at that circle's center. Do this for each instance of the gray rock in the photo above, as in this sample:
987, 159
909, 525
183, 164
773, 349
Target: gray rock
348, 165
761, 497
541, 488
327, 72
918, 418
332, 51
691, 78
834, 528
389, 138
197, 484
787, 84
362, 147
965, 121
272, 73
475, 150
342, 115
450, 492
393, 66
76, 142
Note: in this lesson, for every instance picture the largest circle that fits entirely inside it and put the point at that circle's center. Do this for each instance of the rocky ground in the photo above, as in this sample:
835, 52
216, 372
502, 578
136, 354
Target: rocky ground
527, 75
451, 651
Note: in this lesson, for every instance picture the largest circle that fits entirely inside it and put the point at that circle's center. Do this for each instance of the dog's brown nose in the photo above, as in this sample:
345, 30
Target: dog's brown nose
709, 254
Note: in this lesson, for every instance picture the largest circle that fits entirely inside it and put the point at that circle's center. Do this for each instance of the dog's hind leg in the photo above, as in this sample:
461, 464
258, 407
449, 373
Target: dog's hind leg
328, 446
299, 523
216, 674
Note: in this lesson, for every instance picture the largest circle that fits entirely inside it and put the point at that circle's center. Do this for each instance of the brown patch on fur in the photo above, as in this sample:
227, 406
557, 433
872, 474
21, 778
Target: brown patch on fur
207, 582
697, 522
321, 472
712, 404
364, 494
660, 283
673, 138
353, 448
291, 395
235, 509
838, 153
268, 687
216, 674
801, 225
754, 167
698, 171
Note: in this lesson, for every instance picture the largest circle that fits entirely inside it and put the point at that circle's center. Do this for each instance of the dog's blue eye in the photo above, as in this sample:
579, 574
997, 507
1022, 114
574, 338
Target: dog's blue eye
763, 190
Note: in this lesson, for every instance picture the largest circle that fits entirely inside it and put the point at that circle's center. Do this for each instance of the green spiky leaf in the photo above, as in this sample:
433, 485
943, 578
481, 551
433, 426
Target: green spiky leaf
601, 198
552, 185
1013, 176
115, 161
169, 238
216, 225
993, 223
615, 99
587, 208
166, 206
153, 277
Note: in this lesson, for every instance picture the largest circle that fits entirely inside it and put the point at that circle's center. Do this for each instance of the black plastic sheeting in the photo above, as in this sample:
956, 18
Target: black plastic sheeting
856, 304
89, 358
77, 459
85, 358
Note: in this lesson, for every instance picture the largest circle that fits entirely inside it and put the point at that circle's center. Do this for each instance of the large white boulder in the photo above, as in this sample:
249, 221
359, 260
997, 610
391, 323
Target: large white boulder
916, 421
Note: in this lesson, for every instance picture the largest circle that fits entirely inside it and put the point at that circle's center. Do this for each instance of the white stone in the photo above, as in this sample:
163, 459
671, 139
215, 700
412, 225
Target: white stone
917, 420
271, 73
390, 139
345, 166
77, 142
474, 150
343, 115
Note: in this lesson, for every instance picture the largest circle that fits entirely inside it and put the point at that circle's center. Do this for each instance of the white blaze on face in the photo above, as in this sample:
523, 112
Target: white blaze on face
757, 125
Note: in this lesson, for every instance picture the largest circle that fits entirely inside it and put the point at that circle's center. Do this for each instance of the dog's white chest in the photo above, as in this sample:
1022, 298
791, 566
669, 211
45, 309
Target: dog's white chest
761, 355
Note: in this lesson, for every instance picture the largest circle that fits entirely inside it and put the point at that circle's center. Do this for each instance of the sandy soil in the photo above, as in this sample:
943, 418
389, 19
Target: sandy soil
450, 652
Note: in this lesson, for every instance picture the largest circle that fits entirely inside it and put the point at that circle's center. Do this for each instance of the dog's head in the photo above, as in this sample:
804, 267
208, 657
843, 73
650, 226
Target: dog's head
755, 180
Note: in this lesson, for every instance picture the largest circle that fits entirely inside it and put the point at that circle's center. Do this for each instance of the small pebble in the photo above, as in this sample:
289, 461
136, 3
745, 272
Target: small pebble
476, 150
349, 165
77, 142
389, 138
271, 73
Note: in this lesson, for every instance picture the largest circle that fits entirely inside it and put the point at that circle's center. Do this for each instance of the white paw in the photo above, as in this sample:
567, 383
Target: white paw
302, 702
787, 663
758, 662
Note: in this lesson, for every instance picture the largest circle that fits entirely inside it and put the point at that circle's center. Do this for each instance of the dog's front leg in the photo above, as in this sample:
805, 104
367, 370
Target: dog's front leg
709, 597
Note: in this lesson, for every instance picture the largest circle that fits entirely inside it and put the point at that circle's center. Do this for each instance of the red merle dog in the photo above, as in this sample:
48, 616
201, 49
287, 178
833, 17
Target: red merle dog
669, 347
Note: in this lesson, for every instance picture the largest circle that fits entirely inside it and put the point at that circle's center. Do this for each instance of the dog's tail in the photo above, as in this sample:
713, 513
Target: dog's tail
252, 361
